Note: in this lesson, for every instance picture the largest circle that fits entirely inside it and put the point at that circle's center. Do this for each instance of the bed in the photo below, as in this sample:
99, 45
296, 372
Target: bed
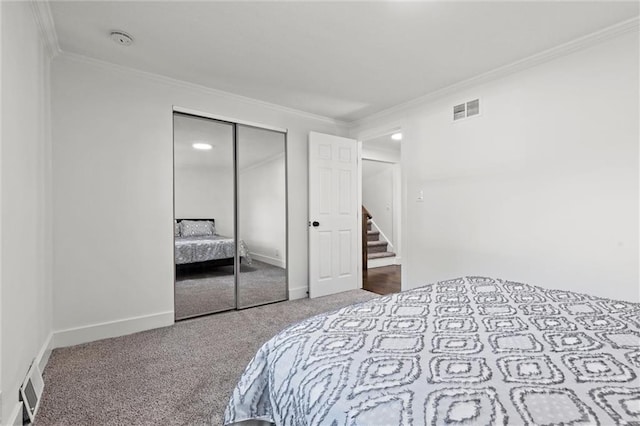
197, 243
467, 351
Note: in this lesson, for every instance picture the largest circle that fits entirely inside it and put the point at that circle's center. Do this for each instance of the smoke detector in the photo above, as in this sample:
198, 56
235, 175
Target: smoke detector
121, 38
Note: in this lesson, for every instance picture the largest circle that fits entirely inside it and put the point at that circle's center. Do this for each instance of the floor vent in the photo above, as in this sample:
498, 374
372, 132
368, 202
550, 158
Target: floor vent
31, 391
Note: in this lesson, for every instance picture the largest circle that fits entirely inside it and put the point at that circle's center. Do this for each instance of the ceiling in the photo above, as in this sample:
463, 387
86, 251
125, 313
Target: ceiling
343, 60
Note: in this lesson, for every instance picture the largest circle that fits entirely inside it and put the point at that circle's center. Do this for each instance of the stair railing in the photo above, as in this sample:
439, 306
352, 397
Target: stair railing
365, 249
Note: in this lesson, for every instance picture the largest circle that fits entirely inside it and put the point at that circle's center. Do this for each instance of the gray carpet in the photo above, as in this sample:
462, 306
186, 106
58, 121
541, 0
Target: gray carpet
212, 290
178, 375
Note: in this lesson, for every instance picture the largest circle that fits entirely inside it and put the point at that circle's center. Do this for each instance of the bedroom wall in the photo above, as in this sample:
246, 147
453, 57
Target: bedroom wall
261, 200
542, 187
25, 155
198, 195
112, 170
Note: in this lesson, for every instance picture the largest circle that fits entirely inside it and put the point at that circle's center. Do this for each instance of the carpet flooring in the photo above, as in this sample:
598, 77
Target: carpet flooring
212, 290
178, 375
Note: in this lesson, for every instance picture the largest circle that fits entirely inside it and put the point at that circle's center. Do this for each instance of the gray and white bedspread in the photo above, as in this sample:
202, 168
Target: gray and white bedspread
468, 351
212, 247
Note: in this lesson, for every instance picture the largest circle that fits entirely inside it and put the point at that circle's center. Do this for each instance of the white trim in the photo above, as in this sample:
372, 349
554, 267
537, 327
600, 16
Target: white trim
200, 88
89, 333
522, 64
298, 293
397, 209
398, 260
274, 261
227, 119
46, 26
359, 248
45, 352
15, 418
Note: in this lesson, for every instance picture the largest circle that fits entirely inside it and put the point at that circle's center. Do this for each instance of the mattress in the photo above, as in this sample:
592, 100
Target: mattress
467, 351
212, 247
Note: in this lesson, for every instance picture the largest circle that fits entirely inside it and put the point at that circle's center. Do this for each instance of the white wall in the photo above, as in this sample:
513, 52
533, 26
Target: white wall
542, 187
262, 212
26, 304
377, 195
205, 193
112, 170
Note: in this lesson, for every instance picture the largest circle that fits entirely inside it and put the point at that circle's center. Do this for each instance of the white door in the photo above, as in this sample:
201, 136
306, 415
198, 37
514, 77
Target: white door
334, 215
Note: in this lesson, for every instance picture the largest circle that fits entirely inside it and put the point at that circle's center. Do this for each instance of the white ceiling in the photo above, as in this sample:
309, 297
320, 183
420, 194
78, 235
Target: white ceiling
343, 60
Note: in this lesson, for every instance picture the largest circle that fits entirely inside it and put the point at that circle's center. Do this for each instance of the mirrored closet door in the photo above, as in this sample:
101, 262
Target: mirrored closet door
229, 216
204, 206
262, 215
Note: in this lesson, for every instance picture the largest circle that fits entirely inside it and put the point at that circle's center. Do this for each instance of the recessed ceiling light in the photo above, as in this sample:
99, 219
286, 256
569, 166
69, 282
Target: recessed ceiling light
202, 146
396, 136
121, 38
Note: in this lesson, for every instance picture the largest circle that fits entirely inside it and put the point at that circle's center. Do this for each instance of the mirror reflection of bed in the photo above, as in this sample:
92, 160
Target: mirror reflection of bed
219, 195
205, 272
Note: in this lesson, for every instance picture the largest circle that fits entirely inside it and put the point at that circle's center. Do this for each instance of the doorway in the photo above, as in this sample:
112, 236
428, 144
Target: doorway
381, 206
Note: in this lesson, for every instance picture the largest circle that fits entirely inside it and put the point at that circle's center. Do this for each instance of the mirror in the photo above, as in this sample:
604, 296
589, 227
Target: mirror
204, 213
262, 218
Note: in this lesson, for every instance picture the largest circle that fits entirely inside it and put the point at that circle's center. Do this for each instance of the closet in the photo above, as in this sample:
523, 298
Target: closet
230, 215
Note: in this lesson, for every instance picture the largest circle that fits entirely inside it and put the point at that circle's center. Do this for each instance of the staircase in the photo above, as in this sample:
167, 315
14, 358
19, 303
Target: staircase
376, 248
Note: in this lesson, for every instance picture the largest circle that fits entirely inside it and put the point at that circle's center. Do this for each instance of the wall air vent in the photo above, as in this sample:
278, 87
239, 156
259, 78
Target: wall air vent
473, 107
467, 109
458, 112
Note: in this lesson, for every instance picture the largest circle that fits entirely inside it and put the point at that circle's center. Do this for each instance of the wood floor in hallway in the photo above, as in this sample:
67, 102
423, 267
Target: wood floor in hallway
384, 280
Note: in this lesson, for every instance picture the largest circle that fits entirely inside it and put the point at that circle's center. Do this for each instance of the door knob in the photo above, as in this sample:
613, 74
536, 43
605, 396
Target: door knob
315, 223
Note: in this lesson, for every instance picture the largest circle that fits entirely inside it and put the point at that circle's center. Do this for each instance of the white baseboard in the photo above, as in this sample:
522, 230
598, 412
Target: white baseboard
268, 259
105, 330
15, 418
298, 293
45, 352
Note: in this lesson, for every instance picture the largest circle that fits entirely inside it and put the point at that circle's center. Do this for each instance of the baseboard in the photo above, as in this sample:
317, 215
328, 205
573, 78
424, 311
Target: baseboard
45, 352
298, 293
105, 330
274, 261
398, 260
15, 418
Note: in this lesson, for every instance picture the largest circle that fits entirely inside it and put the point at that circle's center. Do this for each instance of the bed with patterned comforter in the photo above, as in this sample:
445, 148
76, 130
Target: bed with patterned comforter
209, 247
468, 351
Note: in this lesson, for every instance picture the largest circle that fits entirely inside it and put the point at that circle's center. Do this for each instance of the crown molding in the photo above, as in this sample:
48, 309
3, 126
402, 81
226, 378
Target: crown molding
200, 88
503, 71
44, 20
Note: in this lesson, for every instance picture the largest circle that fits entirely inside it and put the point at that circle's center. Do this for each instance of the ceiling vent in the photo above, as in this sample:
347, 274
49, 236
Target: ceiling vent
121, 38
467, 109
